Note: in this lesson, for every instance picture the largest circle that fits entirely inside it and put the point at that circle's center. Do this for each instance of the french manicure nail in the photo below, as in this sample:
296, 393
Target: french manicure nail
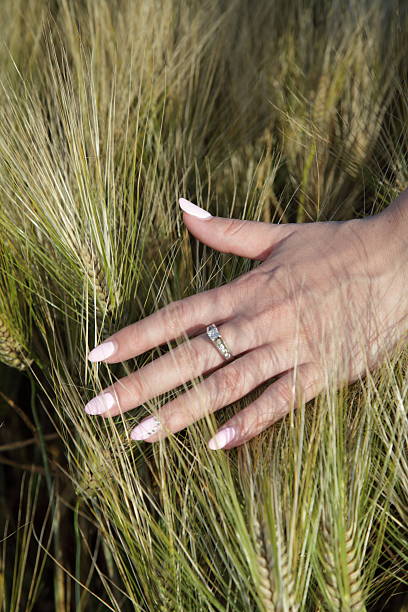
193, 209
222, 438
145, 429
102, 351
100, 403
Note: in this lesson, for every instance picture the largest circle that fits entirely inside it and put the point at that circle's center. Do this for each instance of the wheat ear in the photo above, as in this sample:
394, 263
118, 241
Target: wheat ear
330, 570
98, 284
288, 590
265, 562
356, 600
12, 351
356, 591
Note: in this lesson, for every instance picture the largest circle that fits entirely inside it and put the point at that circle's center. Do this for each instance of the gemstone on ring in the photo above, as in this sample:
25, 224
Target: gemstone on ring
215, 337
213, 332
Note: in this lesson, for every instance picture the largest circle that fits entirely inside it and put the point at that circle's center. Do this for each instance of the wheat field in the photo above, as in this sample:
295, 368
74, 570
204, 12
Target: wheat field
110, 110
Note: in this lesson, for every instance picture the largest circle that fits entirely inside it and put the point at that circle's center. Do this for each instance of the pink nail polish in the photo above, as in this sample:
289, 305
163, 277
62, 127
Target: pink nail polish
145, 429
222, 438
193, 209
102, 351
100, 404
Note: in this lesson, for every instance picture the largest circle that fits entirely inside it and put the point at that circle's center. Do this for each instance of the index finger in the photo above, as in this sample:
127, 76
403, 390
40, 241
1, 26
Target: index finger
181, 316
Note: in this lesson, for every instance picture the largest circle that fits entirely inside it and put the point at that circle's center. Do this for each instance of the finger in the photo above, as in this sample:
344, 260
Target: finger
192, 358
254, 239
181, 316
223, 387
274, 403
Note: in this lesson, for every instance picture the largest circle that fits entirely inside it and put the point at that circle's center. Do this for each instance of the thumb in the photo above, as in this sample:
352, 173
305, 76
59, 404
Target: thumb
253, 239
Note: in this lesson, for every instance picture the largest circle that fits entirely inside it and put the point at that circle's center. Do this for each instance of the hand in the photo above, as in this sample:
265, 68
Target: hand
327, 302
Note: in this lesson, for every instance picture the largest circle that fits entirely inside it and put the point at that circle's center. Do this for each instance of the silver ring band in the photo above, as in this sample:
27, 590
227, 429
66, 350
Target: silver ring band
215, 337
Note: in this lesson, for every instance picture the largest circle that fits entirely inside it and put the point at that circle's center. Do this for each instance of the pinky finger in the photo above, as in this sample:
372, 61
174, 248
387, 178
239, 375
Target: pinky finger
270, 407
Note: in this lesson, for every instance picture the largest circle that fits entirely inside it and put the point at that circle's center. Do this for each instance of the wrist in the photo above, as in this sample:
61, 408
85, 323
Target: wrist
390, 231
394, 219
390, 250
385, 239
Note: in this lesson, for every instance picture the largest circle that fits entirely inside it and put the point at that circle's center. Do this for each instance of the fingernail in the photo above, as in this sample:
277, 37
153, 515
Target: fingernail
100, 403
222, 438
102, 351
145, 429
193, 209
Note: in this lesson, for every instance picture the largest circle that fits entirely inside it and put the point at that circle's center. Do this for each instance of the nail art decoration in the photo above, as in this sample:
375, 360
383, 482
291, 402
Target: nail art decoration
146, 428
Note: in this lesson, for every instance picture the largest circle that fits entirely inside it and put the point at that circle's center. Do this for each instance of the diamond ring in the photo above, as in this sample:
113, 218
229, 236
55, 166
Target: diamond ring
215, 337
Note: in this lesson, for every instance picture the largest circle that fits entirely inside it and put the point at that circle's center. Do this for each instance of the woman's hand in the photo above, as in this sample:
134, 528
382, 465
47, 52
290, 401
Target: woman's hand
327, 302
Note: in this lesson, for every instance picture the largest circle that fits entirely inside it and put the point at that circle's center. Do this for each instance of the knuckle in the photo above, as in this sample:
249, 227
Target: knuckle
278, 316
261, 419
283, 276
194, 353
135, 387
225, 300
266, 328
188, 353
252, 331
220, 298
284, 392
279, 281
174, 314
246, 286
282, 315
226, 383
231, 378
270, 359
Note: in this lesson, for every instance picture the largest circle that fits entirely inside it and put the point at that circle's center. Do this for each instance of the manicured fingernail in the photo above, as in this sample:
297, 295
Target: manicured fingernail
193, 209
102, 351
100, 403
222, 438
145, 429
